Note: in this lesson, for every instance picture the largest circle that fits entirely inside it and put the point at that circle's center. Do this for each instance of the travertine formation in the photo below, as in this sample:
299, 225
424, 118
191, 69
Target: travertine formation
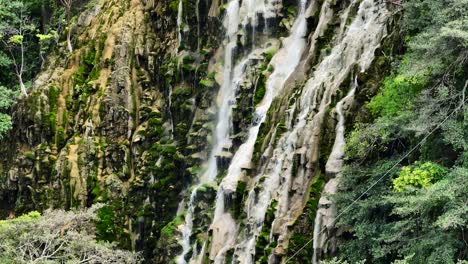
208, 128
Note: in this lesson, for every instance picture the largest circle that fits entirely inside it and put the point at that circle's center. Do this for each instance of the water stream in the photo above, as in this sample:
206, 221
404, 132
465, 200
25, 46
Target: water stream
221, 134
284, 62
290, 164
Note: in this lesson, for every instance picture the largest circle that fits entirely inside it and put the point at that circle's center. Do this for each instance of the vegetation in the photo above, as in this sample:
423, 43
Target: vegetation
28, 30
417, 213
57, 237
6, 99
141, 138
418, 176
68, 5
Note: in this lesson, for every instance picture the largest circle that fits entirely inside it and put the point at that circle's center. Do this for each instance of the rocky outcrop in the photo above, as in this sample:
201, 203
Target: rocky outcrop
121, 120
130, 117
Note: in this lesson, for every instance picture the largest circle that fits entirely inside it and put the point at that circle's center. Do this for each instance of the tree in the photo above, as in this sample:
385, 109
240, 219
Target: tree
16, 27
44, 42
57, 237
419, 175
6, 99
68, 5
416, 213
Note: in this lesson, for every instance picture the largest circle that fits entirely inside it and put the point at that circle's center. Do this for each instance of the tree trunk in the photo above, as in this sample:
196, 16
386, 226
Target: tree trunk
22, 86
69, 45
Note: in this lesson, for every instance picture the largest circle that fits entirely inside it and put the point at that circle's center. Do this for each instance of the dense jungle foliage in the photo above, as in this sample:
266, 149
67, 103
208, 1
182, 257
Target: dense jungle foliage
417, 212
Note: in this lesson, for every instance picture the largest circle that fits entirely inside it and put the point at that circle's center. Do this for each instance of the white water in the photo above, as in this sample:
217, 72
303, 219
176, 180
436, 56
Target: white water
301, 142
354, 47
187, 228
170, 111
284, 63
357, 48
326, 212
226, 96
180, 12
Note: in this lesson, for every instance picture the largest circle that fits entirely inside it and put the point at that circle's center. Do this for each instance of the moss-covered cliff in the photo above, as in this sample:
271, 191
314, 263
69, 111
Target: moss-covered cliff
101, 124
129, 119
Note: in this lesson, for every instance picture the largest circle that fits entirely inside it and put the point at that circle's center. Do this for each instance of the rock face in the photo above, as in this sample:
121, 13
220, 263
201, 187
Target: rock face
128, 119
97, 125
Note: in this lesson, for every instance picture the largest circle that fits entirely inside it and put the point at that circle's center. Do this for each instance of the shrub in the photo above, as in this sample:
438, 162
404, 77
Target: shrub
57, 237
419, 175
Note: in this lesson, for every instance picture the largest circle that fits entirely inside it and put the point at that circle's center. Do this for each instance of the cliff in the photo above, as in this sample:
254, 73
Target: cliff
204, 127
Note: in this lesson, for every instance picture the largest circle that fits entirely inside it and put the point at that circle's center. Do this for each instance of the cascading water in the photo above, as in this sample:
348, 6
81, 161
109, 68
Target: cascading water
289, 162
226, 96
284, 63
222, 128
326, 212
180, 12
301, 143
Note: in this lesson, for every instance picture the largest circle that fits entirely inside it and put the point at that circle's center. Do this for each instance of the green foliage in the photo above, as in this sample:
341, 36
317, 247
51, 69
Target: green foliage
169, 230
24, 219
106, 230
5, 124
419, 216
16, 40
28, 31
396, 95
260, 89
57, 237
339, 261
207, 83
6, 99
418, 175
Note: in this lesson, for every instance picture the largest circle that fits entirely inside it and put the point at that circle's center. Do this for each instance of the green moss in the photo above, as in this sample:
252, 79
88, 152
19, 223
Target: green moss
300, 236
264, 245
89, 68
270, 53
53, 95
324, 41
207, 83
60, 139
260, 90
30, 156
238, 205
170, 229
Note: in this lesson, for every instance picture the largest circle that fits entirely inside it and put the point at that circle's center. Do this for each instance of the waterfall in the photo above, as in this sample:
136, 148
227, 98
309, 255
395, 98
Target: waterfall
171, 118
226, 95
180, 12
326, 213
291, 158
284, 62
301, 142
356, 49
187, 229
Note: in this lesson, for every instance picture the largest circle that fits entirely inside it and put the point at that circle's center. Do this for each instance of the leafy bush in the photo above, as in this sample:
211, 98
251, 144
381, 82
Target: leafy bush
397, 94
57, 237
6, 99
418, 175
